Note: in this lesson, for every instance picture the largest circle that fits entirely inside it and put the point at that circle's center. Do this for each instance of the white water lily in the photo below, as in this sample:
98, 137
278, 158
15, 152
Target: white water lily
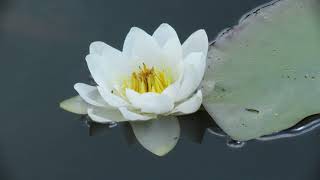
149, 83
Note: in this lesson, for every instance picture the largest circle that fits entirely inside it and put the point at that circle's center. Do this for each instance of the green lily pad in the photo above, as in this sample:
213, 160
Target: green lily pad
266, 70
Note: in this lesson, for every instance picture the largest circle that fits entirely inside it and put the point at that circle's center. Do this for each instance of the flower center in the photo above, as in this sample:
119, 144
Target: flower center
148, 80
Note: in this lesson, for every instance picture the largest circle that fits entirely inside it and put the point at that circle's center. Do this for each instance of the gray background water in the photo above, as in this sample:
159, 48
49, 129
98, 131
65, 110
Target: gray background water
42, 48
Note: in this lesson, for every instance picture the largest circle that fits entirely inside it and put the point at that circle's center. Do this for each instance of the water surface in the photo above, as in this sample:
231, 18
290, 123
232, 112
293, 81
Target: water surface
43, 44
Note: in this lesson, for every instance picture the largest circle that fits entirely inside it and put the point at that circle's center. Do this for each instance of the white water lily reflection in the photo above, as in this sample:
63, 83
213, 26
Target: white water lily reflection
153, 78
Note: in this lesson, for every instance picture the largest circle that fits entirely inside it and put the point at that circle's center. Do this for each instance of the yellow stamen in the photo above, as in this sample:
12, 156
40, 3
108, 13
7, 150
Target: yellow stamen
147, 80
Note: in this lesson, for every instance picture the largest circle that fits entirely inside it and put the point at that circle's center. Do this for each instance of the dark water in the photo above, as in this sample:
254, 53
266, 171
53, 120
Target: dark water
43, 44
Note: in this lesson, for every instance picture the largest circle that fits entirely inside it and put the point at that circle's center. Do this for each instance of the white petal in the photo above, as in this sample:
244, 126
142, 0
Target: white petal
192, 75
132, 116
158, 136
198, 62
164, 33
191, 105
104, 115
173, 89
106, 69
146, 50
172, 55
75, 105
90, 94
112, 99
133, 36
97, 70
100, 48
197, 42
150, 102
